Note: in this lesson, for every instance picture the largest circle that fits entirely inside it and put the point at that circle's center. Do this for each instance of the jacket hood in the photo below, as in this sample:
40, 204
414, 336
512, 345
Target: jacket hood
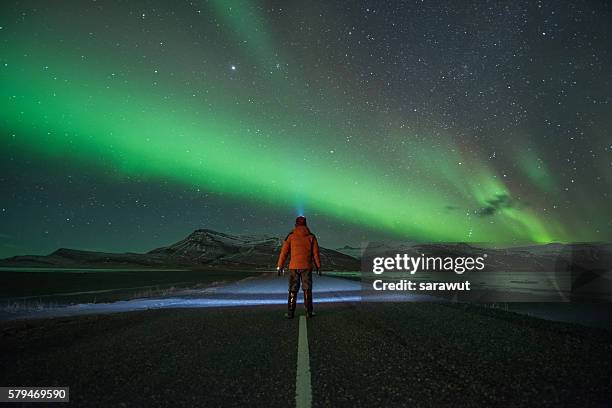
301, 230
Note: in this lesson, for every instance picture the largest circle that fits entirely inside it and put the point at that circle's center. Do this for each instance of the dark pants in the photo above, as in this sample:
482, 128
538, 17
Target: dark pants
300, 275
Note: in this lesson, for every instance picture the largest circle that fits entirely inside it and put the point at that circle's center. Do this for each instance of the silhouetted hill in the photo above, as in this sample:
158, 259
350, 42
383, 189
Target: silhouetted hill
202, 248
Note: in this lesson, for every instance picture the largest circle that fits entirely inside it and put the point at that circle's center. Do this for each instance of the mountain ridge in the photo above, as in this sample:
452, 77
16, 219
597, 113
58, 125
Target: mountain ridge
203, 248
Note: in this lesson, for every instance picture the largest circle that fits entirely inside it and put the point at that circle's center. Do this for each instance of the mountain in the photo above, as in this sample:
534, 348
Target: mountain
203, 248
350, 251
214, 248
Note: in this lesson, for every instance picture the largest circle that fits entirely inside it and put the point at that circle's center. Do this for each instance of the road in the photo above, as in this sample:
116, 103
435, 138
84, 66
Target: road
358, 354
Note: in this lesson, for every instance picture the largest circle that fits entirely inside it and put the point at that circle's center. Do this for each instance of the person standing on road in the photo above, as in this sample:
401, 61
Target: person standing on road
303, 249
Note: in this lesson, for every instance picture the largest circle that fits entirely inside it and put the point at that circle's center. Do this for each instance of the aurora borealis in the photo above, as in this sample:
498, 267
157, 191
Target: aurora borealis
126, 125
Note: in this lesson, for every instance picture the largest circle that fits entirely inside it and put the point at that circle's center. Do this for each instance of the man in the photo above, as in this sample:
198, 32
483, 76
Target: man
303, 249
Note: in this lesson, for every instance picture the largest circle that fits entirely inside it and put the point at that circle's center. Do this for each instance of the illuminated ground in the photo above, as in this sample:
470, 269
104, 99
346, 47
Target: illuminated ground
268, 289
263, 290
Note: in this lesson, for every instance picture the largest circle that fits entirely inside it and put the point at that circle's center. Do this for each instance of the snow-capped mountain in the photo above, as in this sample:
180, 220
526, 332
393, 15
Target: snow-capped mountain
202, 248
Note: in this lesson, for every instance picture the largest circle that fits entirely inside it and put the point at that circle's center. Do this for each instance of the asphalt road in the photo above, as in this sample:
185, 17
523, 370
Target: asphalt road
425, 354
360, 354
176, 357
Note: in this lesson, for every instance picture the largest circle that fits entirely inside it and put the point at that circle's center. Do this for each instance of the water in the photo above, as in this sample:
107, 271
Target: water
68, 286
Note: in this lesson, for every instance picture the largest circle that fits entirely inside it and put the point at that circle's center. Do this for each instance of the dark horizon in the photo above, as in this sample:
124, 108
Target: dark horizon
392, 240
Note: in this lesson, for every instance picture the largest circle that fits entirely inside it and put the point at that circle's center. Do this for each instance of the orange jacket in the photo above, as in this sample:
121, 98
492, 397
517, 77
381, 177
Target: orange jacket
299, 243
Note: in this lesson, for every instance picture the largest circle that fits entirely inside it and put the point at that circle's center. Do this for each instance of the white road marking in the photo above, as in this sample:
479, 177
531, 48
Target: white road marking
303, 390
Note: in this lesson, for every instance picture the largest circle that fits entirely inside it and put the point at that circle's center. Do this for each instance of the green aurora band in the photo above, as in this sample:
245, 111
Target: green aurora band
60, 106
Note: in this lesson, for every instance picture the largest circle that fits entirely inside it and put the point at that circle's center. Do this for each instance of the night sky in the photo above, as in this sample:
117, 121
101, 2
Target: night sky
126, 125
